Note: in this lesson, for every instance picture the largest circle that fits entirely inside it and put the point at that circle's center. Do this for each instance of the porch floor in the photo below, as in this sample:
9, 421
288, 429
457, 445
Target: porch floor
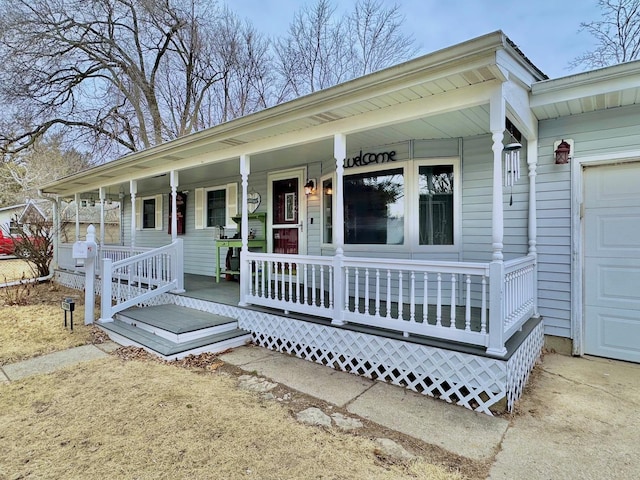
205, 288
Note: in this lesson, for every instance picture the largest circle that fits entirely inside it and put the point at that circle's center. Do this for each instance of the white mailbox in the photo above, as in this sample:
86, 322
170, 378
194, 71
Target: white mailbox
84, 249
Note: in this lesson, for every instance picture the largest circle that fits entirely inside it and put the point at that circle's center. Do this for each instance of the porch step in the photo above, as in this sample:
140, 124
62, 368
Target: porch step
175, 323
128, 335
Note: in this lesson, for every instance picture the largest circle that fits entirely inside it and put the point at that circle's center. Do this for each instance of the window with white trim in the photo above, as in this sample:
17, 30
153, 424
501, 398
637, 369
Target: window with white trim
327, 210
149, 213
216, 206
436, 204
374, 207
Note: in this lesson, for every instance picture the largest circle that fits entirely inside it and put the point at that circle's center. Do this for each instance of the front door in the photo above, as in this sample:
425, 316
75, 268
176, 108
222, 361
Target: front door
612, 261
286, 213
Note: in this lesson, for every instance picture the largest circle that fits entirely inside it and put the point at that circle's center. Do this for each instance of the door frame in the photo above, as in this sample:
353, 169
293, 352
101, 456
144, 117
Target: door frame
300, 174
578, 165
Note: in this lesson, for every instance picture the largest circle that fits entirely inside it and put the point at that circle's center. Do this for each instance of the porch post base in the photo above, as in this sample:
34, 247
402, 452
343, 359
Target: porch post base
498, 352
338, 322
178, 290
105, 320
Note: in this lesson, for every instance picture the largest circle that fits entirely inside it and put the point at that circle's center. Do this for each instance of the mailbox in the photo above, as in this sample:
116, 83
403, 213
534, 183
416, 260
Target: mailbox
84, 249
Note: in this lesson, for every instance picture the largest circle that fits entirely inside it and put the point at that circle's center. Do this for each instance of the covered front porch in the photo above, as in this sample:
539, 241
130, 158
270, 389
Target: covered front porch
410, 254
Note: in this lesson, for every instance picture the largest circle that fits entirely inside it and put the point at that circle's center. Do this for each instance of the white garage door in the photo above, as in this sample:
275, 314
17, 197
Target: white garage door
612, 261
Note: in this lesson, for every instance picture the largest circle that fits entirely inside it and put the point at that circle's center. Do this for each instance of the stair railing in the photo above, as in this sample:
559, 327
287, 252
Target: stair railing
139, 279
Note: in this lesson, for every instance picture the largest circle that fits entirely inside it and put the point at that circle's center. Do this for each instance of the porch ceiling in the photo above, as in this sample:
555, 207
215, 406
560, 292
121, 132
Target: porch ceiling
369, 110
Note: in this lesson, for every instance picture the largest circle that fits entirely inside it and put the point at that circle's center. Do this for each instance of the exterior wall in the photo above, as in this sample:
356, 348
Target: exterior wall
613, 130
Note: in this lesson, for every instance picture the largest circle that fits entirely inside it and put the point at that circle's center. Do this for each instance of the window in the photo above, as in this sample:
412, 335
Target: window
435, 205
216, 208
374, 207
149, 213
327, 208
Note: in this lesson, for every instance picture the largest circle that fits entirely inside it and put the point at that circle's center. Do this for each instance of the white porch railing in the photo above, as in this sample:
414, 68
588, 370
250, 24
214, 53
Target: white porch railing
114, 252
137, 279
519, 293
445, 300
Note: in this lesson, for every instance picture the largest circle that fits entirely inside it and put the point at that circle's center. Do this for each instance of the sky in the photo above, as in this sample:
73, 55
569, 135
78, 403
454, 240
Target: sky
547, 31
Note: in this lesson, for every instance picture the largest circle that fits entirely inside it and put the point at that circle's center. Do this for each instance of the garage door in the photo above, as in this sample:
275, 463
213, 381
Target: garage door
612, 261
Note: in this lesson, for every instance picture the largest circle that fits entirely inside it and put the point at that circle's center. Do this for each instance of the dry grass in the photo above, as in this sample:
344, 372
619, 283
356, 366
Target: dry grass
123, 418
135, 419
38, 327
11, 270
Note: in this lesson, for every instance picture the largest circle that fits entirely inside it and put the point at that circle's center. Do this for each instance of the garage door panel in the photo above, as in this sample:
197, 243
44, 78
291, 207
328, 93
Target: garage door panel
612, 186
613, 283
612, 261
615, 333
612, 233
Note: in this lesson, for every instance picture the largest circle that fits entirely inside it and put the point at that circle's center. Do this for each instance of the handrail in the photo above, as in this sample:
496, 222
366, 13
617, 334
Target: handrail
138, 279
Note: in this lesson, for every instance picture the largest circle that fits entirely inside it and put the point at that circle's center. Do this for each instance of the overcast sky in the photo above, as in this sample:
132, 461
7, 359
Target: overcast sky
545, 30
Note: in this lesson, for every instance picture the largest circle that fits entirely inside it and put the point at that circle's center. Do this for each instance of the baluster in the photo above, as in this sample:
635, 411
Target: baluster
302, 296
356, 288
321, 290
400, 293
412, 298
270, 265
439, 301
283, 289
314, 294
291, 299
346, 289
453, 301
388, 293
467, 313
377, 292
366, 291
331, 273
483, 308
425, 299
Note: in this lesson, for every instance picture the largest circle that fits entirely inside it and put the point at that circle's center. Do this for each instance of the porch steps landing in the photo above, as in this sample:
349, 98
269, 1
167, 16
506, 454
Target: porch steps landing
172, 332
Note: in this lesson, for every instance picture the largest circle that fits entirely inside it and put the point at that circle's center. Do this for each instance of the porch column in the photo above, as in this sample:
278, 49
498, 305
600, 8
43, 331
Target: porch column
340, 154
76, 198
55, 207
174, 180
101, 194
497, 112
133, 188
532, 162
245, 168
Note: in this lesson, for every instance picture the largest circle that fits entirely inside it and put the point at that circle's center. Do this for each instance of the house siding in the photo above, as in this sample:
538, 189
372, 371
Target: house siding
595, 133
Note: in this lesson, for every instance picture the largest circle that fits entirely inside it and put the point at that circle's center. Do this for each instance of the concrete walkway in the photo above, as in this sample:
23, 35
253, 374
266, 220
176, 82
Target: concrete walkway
579, 421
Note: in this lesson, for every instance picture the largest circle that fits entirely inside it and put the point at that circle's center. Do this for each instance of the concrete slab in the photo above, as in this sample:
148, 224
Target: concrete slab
52, 362
456, 429
580, 420
338, 388
3, 377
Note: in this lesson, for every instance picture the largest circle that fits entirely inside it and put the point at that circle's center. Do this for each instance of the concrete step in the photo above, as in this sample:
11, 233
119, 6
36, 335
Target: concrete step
176, 323
128, 335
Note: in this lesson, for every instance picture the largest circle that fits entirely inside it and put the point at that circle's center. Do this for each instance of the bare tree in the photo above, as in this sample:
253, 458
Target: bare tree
617, 35
47, 159
377, 38
314, 53
320, 50
123, 73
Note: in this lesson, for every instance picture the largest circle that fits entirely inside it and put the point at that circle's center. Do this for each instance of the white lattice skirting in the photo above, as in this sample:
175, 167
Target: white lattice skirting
475, 382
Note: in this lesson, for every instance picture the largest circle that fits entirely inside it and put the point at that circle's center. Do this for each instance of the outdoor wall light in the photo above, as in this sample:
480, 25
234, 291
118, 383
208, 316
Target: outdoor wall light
563, 152
309, 187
